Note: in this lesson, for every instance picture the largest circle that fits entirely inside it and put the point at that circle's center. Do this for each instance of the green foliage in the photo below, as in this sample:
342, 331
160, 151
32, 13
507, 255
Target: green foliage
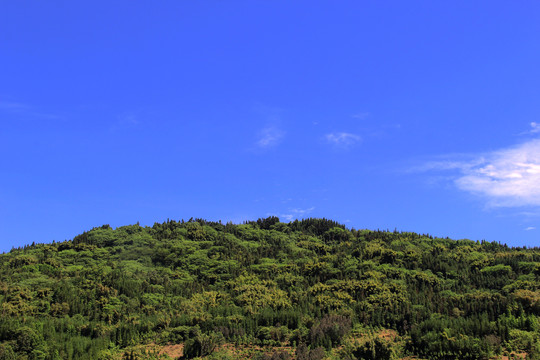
329, 331
6, 352
374, 348
304, 353
201, 345
26, 340
306, 283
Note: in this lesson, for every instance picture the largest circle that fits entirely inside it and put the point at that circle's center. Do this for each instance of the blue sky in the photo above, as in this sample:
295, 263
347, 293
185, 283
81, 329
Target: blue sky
416, 115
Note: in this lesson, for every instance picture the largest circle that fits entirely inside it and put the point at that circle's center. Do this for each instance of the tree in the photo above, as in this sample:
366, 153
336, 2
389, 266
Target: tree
201, 345
6, 352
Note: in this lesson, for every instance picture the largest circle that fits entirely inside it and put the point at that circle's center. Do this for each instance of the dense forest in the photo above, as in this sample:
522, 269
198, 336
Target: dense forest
309, 289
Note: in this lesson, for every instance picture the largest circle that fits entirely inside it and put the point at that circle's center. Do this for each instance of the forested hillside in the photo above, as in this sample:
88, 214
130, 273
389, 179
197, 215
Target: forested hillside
309, 289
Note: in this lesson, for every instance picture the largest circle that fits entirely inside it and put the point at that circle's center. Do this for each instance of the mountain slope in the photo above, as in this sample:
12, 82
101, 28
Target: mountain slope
312, 285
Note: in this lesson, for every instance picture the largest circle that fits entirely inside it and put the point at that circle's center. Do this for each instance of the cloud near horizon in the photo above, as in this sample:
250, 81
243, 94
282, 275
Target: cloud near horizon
296, 213
505, 178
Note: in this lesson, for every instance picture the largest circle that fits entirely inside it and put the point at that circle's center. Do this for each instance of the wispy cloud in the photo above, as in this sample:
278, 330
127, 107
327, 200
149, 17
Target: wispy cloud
125, 121
535, 128
342, 138
271, 133
22, 109
4, 105
129, 119
270, 136
507, 177
361, 115
296, 213
529, 228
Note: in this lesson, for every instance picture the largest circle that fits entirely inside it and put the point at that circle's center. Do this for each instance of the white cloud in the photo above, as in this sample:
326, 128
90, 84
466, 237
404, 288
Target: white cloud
12, 106
342, 138
507, 177
530, 228
361, 116
535, 127
24, 110
128, 119
296, 213
270, 136
124, 121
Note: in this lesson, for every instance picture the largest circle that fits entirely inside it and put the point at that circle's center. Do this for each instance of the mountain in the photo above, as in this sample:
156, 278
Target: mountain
308, 289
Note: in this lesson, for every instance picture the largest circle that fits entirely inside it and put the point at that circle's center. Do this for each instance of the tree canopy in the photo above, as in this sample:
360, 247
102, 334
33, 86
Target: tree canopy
312, 285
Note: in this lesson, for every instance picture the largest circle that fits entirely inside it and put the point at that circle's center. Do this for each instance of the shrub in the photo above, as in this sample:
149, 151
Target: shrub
373, 349
6, 352
329, 331
304, 353
202, 345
